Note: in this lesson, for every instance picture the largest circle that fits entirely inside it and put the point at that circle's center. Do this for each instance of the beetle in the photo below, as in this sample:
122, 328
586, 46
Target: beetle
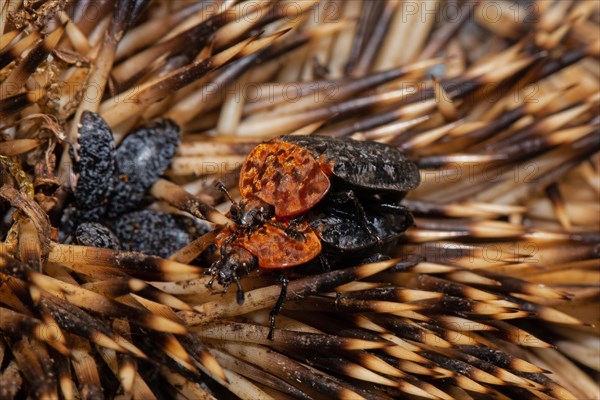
294, 173
361, 165
272, 245
345, 234
303, 193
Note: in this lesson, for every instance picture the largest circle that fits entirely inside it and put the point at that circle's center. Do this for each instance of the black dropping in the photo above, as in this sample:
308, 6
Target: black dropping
95, 234
155, 233
93, 158
141, 159
115, 181
73, 217
112, 182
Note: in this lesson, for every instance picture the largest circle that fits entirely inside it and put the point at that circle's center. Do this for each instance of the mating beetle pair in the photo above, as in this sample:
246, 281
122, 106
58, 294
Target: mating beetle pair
303, 198
309, 197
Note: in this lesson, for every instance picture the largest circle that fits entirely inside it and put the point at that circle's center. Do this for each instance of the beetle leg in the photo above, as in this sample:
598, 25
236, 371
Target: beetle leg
324, 263
277, 308
228, 241
289, 230
338, 297
350, 196
365, 222
295, 222
392, 208
377, 257
213, 273
239, 296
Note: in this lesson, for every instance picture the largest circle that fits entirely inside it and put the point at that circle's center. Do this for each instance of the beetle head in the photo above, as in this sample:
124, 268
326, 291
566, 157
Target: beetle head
232, 265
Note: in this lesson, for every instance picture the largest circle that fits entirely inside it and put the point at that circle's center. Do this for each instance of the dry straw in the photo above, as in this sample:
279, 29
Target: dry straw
493, 294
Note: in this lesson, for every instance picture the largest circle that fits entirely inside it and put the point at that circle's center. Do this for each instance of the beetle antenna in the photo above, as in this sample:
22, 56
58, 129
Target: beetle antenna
223, 189
290, 231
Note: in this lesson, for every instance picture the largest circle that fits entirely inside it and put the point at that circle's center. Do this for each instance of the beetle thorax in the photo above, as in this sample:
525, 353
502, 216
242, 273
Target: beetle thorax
251, 212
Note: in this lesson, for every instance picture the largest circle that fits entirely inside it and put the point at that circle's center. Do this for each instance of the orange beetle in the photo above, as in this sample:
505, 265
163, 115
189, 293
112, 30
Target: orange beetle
278, 181
285, 176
